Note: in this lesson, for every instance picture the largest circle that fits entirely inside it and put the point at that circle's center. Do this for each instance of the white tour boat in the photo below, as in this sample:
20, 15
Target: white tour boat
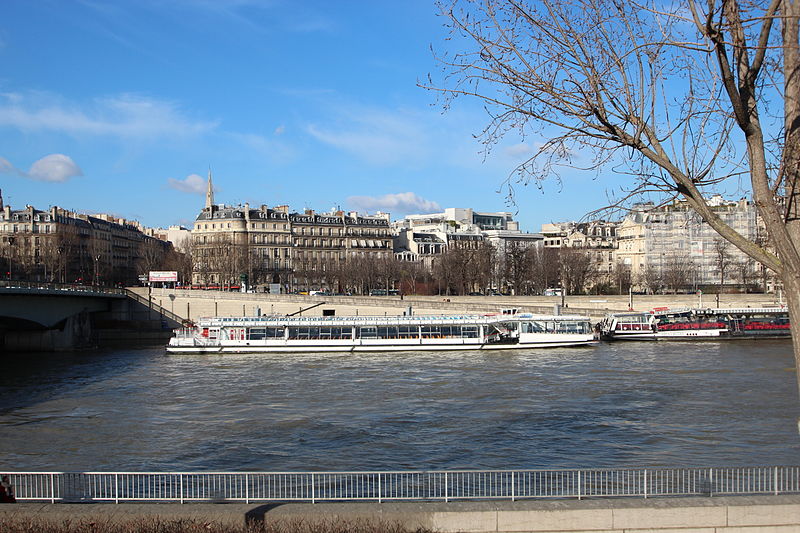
270, 334
697, 324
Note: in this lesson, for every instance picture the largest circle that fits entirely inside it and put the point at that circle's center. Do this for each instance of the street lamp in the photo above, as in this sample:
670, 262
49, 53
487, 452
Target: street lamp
10, 241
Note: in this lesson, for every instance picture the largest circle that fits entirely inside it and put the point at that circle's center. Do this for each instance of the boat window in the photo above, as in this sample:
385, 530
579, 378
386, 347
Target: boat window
335, 332
304, 332
368, 332
257, 334
408, 332
439, 332
536, 326
272, 333
469, 332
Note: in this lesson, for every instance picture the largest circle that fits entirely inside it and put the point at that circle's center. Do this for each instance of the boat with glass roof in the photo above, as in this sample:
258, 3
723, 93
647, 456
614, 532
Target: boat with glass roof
277, 334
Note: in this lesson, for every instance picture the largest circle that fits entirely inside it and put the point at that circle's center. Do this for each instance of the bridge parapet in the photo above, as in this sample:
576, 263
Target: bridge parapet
58, 289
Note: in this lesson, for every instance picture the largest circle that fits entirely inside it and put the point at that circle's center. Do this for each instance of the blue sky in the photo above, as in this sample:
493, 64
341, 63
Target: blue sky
122, 107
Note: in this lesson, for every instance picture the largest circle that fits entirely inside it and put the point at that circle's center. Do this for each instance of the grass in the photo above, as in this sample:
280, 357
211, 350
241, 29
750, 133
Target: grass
43, 525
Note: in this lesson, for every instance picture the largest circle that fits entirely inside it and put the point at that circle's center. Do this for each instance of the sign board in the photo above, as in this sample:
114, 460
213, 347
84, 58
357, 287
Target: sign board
163, 276
274, 288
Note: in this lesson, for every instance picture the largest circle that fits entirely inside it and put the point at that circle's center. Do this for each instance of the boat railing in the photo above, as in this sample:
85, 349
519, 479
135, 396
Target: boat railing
381, 320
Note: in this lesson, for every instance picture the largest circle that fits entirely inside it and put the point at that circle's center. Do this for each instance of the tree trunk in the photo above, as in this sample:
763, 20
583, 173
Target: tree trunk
791, 284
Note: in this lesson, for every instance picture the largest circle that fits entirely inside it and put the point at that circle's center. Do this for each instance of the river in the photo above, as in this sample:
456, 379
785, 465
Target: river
613, 405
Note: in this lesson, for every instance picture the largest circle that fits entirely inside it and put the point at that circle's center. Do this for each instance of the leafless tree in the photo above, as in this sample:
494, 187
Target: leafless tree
544, 268
746, 273
517, 268
685, 94
576, 269
411, 273
651, 278
723, 261
679, 273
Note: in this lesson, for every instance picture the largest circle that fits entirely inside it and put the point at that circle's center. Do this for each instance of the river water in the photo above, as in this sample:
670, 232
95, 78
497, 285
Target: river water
614, 405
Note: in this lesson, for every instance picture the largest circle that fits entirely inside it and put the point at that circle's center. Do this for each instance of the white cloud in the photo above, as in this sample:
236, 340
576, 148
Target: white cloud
56, 168
280, 130
403, 202
125, 116
193, 184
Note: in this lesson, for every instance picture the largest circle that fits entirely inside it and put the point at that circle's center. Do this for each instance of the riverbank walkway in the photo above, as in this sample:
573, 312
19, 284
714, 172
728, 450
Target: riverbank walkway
194, 304
730, 514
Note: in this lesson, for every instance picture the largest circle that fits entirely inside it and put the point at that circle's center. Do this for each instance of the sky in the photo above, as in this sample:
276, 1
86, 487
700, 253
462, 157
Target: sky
123, 107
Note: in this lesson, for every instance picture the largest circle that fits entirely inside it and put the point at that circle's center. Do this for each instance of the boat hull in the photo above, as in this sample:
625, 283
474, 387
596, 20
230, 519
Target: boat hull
350, 348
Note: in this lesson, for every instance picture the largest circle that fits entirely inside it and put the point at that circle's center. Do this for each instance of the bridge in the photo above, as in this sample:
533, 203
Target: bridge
55, 317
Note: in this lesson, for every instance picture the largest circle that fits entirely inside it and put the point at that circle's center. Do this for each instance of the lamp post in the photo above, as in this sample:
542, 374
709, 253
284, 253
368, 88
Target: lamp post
10, 242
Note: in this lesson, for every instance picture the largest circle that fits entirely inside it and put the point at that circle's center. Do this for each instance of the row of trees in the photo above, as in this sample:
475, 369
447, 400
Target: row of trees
464, 269
67, 257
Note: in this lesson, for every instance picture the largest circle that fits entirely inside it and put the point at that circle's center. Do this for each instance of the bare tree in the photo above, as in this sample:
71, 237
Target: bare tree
679, 273
544, 268
723, 261
517, 268
651, 278
576, 269
685, 97
620, 278
746, 273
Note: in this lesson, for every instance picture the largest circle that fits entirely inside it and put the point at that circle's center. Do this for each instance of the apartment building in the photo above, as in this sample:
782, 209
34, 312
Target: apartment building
58, 245
597, 237
263, 245
671, 245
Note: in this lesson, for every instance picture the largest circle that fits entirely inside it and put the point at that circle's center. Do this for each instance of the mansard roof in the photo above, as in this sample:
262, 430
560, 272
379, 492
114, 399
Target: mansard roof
224, 212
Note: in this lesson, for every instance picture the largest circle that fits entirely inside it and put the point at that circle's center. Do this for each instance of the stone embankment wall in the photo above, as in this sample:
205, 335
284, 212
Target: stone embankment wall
196, 304
762, 514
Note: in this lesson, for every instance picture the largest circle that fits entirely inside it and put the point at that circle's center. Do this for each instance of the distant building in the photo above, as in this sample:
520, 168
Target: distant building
672, 245
423, 237
299, 251
598, 237
63, 246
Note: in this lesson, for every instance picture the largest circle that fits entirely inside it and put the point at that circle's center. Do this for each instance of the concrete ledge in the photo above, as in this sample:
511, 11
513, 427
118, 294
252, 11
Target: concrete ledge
744, 514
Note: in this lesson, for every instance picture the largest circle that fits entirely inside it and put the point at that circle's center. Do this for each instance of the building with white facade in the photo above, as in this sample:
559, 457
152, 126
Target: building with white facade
656, 241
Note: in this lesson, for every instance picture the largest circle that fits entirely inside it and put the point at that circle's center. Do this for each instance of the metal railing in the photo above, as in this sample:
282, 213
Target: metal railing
59, 288
402, 485
150, 304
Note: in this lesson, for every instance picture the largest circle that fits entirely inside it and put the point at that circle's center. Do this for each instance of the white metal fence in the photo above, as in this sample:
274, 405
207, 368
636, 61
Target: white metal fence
409, 485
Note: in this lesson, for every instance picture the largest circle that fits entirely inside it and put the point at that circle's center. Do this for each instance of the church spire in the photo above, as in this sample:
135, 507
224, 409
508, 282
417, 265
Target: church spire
209, 192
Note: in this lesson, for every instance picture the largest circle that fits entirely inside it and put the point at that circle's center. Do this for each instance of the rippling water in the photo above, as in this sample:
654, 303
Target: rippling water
624, 404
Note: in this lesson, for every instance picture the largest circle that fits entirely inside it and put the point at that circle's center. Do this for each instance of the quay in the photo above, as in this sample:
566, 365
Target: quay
195, 304
729, 514
49, 317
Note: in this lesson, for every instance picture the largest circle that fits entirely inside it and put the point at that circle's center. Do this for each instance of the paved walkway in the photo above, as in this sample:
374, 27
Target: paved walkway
775, 513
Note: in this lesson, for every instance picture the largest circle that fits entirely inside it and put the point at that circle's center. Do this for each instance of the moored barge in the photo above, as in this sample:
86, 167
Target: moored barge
272, 334
698, 324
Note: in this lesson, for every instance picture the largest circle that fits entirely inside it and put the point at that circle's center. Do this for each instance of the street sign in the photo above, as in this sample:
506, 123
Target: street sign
163, 276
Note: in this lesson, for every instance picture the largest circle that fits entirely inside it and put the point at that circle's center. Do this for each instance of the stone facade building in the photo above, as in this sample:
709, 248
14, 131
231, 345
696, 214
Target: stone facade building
299, 251
58, 245
599, 238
